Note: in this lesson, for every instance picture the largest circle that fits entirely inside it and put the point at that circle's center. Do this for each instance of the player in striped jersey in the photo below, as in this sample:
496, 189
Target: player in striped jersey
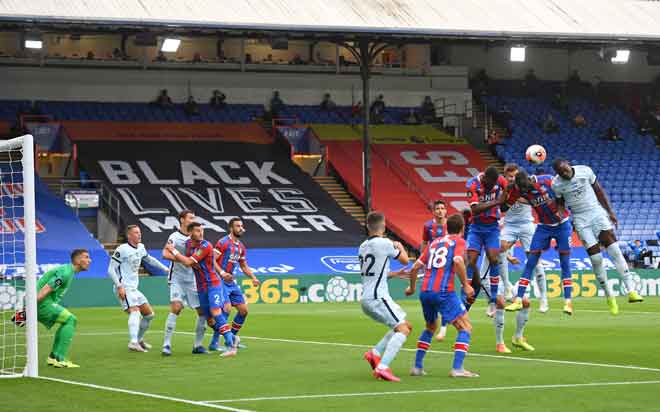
433, 229
485, 193
375, 254
199, 256
229, 254
554, 223
442, 260
182, 287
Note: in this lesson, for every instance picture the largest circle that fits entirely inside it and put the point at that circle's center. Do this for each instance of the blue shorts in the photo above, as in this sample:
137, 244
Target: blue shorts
234, 294
446, 304
561, 233
486, 236
213, 298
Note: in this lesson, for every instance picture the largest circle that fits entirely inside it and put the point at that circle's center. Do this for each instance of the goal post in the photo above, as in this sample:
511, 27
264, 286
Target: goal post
18, 258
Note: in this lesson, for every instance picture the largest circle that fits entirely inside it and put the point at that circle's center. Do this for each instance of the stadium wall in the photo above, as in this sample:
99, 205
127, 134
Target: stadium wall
30, 83
553, 64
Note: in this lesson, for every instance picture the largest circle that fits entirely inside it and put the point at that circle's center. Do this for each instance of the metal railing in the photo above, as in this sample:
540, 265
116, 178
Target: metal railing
109, 202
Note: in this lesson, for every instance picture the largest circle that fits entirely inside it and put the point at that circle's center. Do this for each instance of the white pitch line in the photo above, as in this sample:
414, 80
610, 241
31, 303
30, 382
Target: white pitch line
415, 392
482, 355
623, 312
354, 345
144, 394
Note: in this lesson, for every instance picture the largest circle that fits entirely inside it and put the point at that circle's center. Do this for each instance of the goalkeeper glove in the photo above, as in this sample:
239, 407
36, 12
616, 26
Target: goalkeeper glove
19, 318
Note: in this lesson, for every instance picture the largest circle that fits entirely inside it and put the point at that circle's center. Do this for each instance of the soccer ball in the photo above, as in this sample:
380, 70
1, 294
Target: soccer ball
7, 297
535, 154
337, 289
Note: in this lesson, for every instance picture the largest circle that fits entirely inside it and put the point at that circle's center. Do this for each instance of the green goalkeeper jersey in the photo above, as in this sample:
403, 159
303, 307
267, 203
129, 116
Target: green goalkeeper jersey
59, 279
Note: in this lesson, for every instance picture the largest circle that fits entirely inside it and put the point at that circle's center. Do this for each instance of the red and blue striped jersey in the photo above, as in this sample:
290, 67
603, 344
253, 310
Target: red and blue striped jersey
202, 254
438, 259
231, 253
543, 200
433, 230
477, 193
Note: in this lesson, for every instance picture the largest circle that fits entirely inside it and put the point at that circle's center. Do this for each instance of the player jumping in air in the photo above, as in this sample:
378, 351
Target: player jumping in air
484, 192
442, 260
375, 254
199, 256
518, 225
594, 222
433, 229
50, 289
123, 270
182, 287
229, 255
554, 223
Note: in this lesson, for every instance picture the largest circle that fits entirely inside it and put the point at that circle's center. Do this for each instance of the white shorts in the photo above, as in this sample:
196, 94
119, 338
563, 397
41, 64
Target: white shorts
589, 225
133, 298
522, 232
384, 310
184, 292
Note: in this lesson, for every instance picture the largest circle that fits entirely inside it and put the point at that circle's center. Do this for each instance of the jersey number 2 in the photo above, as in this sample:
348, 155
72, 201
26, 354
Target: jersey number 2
438, 258
369, 260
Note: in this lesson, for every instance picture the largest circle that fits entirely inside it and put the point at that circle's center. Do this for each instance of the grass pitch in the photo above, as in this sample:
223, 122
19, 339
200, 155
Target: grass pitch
309, 357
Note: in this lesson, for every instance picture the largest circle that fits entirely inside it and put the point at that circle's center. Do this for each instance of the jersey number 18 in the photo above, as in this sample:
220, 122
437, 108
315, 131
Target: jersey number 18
438, 258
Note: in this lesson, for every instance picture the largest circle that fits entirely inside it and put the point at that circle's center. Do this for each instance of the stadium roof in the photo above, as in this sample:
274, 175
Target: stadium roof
560, 20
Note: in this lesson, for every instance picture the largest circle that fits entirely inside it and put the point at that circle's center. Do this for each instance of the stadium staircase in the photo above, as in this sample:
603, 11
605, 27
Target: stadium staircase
339, 194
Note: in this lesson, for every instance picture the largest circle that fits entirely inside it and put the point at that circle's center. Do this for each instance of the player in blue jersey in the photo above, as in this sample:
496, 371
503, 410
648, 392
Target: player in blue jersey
230, 253
442, 260
554, 223
199, 256
485, 193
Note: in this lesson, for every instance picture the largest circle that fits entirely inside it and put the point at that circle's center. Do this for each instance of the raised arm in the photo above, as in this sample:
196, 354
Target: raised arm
152, 261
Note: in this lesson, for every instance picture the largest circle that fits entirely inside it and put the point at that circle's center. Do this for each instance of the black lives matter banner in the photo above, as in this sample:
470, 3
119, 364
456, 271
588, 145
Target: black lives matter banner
281, 206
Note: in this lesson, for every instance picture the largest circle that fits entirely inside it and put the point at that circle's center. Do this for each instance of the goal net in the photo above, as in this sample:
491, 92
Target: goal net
18, 328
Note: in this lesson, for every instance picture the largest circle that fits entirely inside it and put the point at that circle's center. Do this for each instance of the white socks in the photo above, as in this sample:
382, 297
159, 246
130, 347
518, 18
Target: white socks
541, 284
499, 326
601, 274
380, 346
393, 347
521, 321
144, 325
200, 328
621, 266
133, 326
170, 325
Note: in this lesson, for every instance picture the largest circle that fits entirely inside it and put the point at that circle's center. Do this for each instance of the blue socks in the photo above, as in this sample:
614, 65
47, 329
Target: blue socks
566, 276
423, 345
221, 328
532, 261
237, 323
461, 349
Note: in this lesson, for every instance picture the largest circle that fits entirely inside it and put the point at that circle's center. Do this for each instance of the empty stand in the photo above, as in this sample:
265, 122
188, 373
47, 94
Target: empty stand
628, 169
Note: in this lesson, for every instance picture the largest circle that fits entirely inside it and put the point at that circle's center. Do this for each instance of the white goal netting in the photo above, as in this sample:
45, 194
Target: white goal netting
15, 227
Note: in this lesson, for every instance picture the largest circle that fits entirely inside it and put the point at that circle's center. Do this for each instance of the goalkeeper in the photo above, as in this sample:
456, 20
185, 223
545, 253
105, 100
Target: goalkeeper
51, 287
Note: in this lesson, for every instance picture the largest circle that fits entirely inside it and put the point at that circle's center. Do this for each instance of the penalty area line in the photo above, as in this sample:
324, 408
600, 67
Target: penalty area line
144, 394
432, 391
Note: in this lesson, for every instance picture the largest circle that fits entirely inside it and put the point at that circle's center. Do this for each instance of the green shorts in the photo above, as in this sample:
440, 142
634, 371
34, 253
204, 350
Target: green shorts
50, 313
